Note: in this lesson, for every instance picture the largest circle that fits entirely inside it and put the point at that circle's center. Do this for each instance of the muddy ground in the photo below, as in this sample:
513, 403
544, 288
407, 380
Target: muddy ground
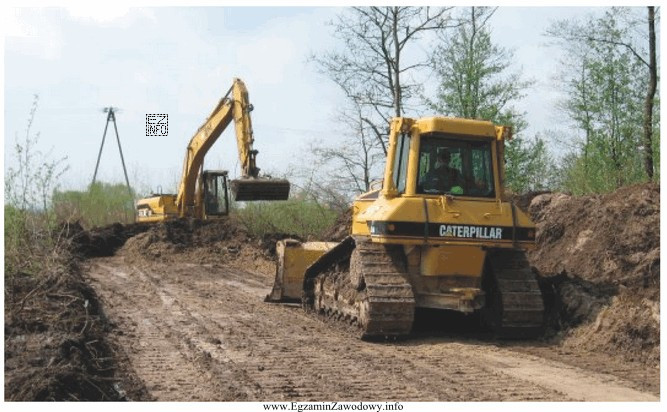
181, 317
199, 332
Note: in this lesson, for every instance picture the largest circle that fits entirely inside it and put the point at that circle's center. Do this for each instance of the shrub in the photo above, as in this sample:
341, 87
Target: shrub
100, 205
304, 218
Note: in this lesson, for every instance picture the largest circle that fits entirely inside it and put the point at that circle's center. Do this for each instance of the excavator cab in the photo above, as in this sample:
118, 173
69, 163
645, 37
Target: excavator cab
216, 198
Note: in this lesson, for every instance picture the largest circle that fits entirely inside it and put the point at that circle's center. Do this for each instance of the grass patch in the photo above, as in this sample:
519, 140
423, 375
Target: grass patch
100, 205
304, 218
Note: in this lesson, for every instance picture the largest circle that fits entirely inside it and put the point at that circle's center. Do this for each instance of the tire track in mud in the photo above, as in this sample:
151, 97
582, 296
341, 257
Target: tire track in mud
268, 354
208, 336
334, 355
162, 354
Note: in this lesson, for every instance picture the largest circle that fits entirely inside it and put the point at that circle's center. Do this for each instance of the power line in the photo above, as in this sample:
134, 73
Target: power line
111, 117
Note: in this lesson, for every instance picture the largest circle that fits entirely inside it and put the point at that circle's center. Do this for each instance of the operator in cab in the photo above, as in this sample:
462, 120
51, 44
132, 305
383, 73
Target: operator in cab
442, 177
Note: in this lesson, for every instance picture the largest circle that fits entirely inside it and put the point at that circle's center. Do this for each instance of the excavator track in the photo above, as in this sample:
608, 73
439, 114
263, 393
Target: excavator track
363, 284
514, 307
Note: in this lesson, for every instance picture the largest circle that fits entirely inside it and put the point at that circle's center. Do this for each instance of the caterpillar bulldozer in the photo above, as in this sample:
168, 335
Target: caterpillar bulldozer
438, 234
204, 194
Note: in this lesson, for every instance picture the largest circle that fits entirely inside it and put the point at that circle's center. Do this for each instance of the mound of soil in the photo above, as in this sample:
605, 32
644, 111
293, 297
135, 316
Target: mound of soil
224, 241
598, 261
56, 345
101, 241
613, 238
54, 340
340, 229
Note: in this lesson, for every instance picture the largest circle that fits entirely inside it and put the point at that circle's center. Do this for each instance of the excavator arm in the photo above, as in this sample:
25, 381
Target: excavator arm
233, 106
244, 137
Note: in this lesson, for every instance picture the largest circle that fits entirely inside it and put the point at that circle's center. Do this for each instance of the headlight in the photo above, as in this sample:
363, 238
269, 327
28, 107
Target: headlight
377, 228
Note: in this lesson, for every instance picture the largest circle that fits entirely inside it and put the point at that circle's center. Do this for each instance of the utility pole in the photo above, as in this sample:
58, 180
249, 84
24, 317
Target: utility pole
111, 117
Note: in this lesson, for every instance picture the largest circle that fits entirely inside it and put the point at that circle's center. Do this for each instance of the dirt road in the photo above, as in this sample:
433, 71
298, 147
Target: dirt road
194, 332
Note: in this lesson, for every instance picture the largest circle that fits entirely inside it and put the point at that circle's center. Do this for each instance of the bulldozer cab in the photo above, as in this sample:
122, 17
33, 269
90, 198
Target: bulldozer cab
443, 156
456, 166
216, 197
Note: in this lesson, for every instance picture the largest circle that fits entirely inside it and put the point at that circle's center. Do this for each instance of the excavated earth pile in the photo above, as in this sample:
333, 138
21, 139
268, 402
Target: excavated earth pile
55, 347
598, 261
340, 228
55, 328
101, 241
224, 241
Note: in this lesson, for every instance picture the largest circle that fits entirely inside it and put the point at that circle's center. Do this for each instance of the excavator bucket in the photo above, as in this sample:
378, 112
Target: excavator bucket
294, 258
260, 189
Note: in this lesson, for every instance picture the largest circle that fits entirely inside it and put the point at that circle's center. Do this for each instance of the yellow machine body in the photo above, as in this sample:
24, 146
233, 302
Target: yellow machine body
157, 208
445, 236
294, 257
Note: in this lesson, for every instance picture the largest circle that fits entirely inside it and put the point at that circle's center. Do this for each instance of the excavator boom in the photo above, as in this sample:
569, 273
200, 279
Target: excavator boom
236, 106
250, 187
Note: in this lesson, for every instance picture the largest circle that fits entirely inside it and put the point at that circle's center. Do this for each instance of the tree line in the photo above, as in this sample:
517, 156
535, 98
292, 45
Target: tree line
608, 78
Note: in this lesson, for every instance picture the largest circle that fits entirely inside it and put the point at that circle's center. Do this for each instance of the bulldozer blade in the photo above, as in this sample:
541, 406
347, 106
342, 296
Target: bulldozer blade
260, 189
294, 258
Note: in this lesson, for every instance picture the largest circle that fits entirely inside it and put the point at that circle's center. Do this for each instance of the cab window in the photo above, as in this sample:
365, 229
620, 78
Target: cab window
401, 162
456, 166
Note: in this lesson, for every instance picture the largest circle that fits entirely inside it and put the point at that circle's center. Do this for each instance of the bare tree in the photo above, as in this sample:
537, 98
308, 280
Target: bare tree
30, 182
373, 67
355, 162
324, 192
338, 170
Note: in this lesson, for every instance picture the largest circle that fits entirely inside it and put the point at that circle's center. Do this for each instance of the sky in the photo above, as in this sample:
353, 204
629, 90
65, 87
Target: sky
180, 61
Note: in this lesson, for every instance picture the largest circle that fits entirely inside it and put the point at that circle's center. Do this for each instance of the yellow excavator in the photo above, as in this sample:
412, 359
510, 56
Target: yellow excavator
203, 194
438, 234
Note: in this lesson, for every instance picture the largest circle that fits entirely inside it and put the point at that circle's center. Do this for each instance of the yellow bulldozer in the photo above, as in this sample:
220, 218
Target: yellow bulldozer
438, 234
204, 194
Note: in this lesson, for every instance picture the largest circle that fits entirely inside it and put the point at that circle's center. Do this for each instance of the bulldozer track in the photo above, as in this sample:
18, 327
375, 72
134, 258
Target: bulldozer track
514, 307
369, 290
202, 332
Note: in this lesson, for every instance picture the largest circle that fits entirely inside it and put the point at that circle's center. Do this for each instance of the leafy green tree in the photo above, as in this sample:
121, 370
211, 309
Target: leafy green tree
604, 80
528, 165
473, 72
475, 82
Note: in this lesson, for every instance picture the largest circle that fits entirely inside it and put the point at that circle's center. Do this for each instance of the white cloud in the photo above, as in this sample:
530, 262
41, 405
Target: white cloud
106, 14
33, 32
266, 59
